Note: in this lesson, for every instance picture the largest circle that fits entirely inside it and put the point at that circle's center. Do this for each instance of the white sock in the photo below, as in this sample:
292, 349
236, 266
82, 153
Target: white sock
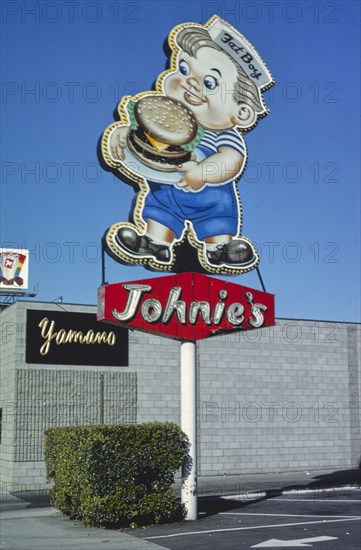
160, 242
211, 247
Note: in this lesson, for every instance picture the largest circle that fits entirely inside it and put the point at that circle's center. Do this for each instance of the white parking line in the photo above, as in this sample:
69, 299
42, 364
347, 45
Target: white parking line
286, 515
189, 533
263, 494
324, 490
316, 500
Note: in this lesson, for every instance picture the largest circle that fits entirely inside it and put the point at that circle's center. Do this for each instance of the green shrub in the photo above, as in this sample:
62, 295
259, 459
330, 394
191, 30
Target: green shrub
116, 476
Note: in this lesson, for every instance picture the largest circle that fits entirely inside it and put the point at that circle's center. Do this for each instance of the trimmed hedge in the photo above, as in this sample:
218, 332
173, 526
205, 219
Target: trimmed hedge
116, 476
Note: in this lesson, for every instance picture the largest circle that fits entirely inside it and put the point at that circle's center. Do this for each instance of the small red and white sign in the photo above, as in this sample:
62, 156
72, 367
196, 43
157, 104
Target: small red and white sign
14, 268
187, 306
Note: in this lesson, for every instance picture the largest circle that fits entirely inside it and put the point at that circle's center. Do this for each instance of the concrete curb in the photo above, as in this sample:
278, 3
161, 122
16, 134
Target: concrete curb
11, 502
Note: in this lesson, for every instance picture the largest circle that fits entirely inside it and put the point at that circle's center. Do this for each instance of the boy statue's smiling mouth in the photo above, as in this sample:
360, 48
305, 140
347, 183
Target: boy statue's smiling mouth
192, 98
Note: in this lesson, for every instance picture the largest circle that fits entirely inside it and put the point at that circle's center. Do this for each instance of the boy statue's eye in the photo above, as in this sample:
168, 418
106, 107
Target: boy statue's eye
210, 82
184, 68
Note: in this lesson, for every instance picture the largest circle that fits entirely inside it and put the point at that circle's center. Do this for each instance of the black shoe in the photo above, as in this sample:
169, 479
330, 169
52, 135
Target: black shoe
237, 253
141, 245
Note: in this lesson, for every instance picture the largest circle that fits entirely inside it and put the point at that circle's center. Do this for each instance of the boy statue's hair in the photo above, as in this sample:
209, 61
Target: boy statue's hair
192, 39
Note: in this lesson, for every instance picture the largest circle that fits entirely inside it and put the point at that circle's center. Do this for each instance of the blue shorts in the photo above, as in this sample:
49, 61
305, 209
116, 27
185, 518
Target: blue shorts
212, 211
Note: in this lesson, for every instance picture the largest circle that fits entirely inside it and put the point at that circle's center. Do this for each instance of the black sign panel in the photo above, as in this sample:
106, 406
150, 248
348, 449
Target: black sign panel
67, 338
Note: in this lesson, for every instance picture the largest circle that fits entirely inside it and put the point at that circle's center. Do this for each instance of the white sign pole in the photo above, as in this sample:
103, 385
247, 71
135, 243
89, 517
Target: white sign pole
189, 426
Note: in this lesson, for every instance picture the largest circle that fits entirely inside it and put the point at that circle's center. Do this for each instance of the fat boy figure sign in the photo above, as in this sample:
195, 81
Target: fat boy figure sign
183, 145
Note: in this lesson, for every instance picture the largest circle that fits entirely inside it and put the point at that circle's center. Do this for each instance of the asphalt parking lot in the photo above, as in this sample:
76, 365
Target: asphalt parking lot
321, 518
326, 519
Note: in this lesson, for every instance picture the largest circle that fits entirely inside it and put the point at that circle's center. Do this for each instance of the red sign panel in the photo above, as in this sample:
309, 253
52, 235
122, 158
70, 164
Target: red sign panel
188, 306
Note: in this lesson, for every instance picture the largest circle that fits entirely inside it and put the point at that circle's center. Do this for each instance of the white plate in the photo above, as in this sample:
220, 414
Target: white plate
133, 164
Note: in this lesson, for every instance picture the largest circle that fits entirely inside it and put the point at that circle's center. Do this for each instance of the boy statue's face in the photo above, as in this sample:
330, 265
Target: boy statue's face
205, 84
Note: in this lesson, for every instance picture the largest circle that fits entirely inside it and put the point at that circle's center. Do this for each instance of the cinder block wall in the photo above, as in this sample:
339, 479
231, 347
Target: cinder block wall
37, 397
8, 331
271, 400
279, 399
286, 401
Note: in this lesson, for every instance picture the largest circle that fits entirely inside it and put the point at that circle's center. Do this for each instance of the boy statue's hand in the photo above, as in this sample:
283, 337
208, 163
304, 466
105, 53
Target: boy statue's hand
118, 142
193, 177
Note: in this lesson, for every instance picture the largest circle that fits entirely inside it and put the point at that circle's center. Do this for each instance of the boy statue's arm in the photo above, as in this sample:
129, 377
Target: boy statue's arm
224, 165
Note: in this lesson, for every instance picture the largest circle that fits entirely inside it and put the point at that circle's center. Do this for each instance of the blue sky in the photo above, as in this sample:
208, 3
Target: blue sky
66, 65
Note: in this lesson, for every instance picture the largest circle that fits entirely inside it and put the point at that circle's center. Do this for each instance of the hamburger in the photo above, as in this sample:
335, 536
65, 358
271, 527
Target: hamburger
163, 127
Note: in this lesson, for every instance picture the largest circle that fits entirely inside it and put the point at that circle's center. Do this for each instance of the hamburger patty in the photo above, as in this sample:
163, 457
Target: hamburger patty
173, 155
